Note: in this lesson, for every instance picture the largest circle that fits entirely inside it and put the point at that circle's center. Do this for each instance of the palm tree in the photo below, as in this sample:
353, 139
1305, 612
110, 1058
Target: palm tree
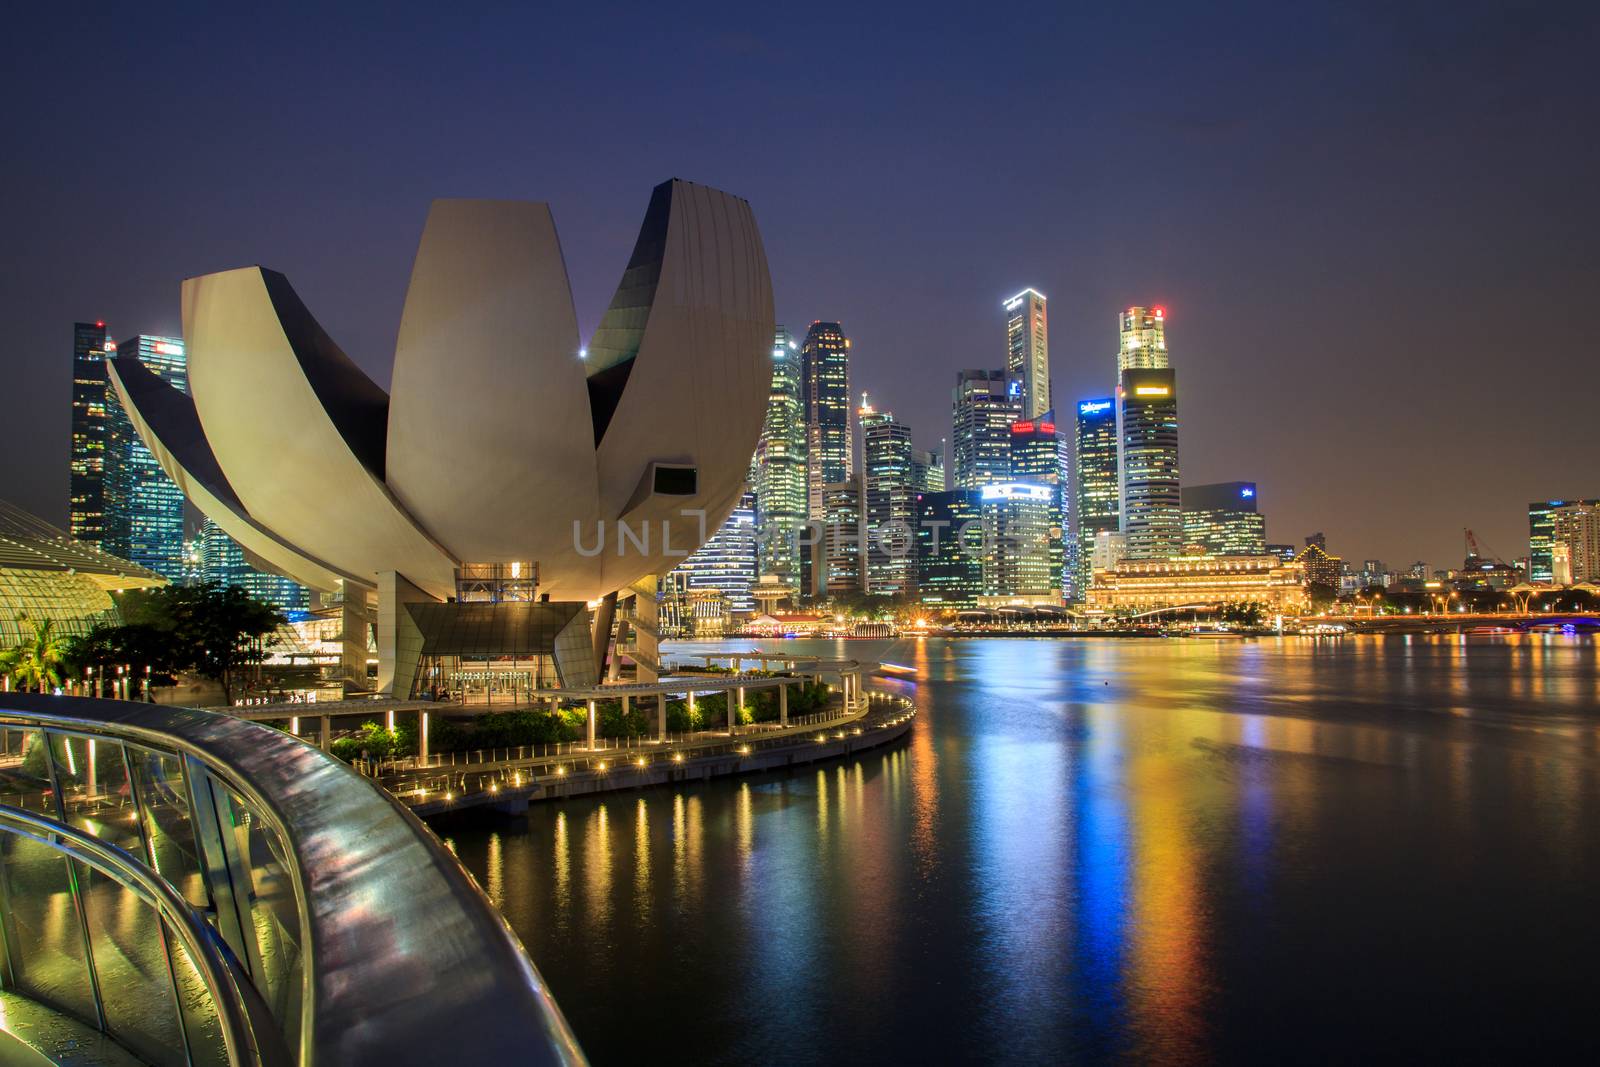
36, 663
9, 658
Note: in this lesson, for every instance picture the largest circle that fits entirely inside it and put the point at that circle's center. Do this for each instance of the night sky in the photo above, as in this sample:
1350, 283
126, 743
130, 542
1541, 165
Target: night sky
1373, 225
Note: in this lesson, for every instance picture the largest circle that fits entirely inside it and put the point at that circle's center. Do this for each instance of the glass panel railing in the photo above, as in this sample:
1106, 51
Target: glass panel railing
168, 827
25, 771
43, 935
274, 913
93, 780
201, 1026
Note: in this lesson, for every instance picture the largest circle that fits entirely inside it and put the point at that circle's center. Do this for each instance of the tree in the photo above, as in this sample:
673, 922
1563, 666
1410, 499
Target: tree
36, 662
141, 646
219, 629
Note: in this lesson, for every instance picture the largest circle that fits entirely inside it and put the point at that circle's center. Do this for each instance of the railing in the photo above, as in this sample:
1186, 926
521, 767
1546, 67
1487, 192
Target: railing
205, 890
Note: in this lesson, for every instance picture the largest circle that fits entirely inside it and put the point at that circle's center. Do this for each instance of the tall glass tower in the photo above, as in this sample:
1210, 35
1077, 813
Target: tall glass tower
780, 467
1040, 456
91, 346
1098, 484
143, 507
825, 400
888, 497
1028, 350
223, 561
727, 562
984, 404
1147, 437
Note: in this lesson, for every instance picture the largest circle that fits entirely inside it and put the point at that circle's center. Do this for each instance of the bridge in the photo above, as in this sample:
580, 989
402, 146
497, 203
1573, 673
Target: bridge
1456, 622
184, 887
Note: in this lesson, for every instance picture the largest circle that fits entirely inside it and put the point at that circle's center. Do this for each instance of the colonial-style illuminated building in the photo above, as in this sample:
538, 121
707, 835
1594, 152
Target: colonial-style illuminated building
888, 489
143, 507
984, 404
779, 469
825, 400
1221, 520
1097, 486
949, 528
1139, 585
1028, 350
91, 347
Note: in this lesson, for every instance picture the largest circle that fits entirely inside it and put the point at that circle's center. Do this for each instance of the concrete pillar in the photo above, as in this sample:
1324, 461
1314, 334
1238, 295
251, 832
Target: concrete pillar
325, 727
593, 725
422, 737
738, 662
661, 717
625, 706
733, 714
783, 704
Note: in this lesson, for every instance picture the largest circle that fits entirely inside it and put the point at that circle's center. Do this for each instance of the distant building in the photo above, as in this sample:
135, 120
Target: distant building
1320, 568
779, 475
91, 347
143, 507
1319, 539
727, 562
1110, 546
1017, 559
949, 548
1040, 456
1028, 350
983, 408
1221, 520
1151, 504
927, 471
1283, 552
1142, 340
1575, 543
1139, 585
837, 568
224, 562
825, 399
888, 486
1096, 483
1541, 524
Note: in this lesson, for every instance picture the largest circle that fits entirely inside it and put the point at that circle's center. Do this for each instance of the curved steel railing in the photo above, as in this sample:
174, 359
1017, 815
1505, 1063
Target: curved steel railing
248, 1030
358, 931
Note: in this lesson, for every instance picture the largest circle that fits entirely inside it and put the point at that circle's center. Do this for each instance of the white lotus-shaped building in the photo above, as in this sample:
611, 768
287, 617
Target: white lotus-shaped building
506, 447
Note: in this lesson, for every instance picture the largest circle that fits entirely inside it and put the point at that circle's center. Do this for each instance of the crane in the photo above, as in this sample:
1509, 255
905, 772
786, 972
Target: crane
1473, 550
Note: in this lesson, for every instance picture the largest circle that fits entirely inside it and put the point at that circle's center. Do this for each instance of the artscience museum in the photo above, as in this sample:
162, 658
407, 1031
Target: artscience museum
516, 482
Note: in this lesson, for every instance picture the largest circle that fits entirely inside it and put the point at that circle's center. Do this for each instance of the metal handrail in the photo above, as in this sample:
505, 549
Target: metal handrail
249, 1033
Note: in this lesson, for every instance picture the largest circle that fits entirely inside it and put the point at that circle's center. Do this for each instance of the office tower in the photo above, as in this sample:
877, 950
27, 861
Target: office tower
1575, 543
1147, 424
1541, 523
1017, 560
91, 346
780, 467
1143, 340
949, 549
726, 563
1221, 520
887, 491
1039, 456
927, 470
1321, 569
984, 405
1319, 539
837, 552
825, 402
1097, 484
143, 507
1028, 350
221, 560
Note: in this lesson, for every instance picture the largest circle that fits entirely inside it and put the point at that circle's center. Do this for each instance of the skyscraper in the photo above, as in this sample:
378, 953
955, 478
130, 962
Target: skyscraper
984, 404
888, 498
1017, 560
1222, 520
727, 562
1152, 508
223, 561
780, 467
927, 470
1541, 524
825, 400
86, 492
949, 548
1028, 350
143, 507
1039, 457
836, 570
1098, 485
1147, 437
1575, 543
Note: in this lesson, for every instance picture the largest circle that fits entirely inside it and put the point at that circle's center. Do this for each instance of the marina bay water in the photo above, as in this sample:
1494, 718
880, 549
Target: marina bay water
1096, 849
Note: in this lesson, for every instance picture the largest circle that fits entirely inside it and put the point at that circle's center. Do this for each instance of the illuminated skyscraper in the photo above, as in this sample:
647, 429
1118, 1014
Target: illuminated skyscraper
825, 400
1017, 559
222, 560
1541, 525
927, 470
86, 493
1098, 486
1028, 350
1575, 543
984, 405
1039, 456
727, 562
143, 507
1222, 520
949, 549
888, 498
836, 569
780, 467
1147, 437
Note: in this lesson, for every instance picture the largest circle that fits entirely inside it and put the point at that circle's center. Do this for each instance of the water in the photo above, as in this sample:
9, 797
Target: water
1091, 850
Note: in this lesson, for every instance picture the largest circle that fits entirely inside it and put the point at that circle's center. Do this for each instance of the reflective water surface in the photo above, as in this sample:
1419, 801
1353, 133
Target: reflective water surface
1151, 850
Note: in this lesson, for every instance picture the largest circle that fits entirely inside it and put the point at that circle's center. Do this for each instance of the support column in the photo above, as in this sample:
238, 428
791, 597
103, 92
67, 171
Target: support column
733, 715
325, 727
783, 705
691, 710
593, 724
625, 699
422, 737
661, 717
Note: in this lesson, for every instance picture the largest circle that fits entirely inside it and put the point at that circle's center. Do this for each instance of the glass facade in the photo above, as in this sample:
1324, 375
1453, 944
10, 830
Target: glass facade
1017, 556
825, 399
223, 561
91, 346
949, 549
984, 404
1222, 519
1039, 455
779, 468
1147, 424
1028, 350
887, 477
143, 507
927, 470
1096, 486
727, 562
1541, 525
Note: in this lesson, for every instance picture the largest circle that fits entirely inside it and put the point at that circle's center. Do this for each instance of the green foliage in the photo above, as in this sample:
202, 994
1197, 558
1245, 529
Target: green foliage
1243, 614
375, 740
38, 661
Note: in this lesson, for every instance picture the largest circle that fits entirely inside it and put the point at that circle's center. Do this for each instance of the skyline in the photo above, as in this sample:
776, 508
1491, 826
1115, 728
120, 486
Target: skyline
1350, 270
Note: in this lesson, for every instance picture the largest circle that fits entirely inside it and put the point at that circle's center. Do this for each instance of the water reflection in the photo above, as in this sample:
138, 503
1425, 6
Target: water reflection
1158, 850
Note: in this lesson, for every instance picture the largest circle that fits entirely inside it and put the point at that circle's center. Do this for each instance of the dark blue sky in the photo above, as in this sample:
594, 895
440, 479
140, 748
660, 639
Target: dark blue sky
1373, 225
